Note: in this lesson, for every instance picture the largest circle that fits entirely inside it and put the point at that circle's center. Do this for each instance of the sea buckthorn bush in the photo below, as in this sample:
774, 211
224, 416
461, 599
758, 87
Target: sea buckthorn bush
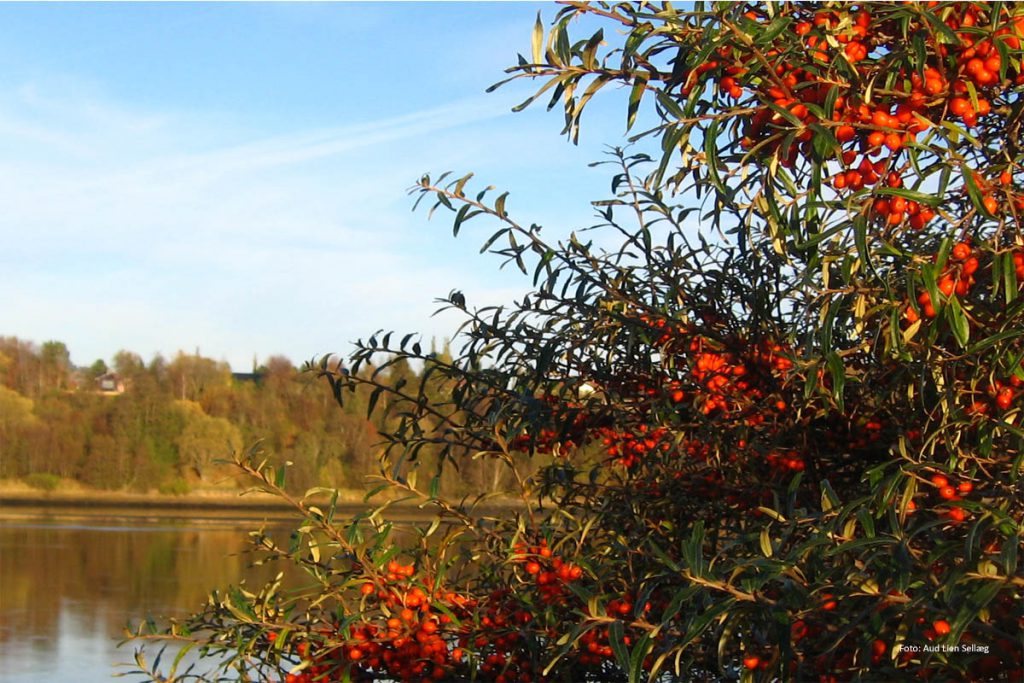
762, 422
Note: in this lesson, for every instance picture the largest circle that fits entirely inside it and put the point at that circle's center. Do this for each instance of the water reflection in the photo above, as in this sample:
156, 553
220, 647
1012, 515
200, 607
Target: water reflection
70, 583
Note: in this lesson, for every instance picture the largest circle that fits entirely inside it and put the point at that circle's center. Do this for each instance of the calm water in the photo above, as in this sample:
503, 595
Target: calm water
71, 581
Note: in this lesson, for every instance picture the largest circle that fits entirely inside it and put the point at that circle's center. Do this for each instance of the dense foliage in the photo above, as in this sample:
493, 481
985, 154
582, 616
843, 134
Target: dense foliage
777, 387
167, 424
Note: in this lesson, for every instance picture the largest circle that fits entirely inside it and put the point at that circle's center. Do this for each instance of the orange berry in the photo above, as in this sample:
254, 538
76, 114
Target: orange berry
941, 626
960, 251
1004, 399
798, 630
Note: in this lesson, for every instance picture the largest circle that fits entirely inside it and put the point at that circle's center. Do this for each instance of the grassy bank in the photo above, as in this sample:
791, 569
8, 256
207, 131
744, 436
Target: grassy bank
70, 494
67, 493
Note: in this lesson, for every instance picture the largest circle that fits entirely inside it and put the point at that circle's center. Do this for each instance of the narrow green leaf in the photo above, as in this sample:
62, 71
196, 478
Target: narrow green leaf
314, 549
969, 611
829, 499
461, 183
701, 623
958, 321
838, 373
974, 192
774, 514
615, 634
910, 195
533, 98
372, 403
459, 218
1008, 555
947, 35
1009, 278
637, 657
537, 41
590, 50
859, 543
635, 96
711, 156
499, 205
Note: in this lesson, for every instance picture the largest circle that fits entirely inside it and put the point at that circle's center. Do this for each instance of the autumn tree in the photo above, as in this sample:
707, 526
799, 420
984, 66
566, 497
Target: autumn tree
16, 420
205, 440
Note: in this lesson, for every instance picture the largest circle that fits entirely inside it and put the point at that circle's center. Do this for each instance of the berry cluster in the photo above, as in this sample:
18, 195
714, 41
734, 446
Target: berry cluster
794, 98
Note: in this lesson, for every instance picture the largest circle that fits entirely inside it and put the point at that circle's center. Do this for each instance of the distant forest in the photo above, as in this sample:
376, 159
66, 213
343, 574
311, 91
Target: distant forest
163, 425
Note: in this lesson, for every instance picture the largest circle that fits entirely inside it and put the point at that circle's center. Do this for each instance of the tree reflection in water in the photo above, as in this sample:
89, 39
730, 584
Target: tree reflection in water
70, 583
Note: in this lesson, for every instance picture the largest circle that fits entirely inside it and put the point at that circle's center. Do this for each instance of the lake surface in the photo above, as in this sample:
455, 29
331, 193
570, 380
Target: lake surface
70, 581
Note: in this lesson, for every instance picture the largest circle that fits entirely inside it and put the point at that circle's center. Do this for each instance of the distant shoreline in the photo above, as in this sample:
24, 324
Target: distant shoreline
226, 501
113, 499
15, 493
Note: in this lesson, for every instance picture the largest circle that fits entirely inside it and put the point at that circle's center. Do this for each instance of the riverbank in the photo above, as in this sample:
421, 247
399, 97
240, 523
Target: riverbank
71, 494
17, 494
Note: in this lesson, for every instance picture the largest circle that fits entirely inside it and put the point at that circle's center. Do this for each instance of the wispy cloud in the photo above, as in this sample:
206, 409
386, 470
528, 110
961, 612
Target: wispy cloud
124, 231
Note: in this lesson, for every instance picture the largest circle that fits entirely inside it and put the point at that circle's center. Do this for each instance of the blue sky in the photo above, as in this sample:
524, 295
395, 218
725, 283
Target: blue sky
232, 177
